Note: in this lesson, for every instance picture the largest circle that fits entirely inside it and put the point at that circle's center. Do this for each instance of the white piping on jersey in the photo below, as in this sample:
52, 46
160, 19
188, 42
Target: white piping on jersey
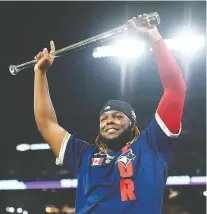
59, 159
107, 155
164, 127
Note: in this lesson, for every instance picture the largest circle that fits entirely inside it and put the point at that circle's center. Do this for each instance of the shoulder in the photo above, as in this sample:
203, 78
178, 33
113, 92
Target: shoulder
158, 128
74, 147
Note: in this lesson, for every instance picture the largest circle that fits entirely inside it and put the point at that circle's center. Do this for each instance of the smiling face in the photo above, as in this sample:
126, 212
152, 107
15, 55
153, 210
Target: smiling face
113, 124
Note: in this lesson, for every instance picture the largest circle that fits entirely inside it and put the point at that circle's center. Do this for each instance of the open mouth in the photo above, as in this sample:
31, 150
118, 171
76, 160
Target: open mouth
111, 130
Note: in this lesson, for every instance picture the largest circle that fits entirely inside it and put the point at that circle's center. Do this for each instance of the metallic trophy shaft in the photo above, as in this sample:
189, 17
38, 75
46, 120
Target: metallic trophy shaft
151, 20
14, 69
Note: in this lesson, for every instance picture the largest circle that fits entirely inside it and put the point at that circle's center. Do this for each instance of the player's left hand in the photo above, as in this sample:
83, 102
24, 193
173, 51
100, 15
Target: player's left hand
140, 26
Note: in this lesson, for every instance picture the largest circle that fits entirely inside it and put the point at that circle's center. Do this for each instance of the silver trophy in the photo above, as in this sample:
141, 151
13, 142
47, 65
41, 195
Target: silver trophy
150, 20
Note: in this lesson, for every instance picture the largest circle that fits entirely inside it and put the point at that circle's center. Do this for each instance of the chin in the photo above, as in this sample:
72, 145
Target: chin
112, 137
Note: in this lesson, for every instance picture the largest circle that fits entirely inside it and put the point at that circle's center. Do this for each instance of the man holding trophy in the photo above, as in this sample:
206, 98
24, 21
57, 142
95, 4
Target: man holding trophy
125, 170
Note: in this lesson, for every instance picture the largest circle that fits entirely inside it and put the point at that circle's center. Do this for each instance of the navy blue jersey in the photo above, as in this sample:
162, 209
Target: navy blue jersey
129, 181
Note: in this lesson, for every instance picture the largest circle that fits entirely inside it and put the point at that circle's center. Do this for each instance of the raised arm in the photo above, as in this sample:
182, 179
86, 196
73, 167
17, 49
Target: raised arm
171, 105
43, 109
170, 108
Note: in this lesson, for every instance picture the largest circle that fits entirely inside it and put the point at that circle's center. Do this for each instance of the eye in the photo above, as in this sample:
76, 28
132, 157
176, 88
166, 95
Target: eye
103, 118
118, 116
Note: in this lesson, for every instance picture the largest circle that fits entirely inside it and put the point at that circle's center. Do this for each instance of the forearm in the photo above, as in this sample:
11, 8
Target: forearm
43, 108
170, 73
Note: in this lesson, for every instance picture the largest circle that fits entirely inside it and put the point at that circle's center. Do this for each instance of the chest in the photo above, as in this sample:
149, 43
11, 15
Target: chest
132, 162
113, 166
124, 174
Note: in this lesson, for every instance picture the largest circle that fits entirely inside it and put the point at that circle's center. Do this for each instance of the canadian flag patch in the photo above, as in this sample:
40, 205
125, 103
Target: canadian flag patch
96, 161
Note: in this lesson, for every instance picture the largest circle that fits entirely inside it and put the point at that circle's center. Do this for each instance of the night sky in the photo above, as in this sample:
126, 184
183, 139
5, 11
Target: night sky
80, 85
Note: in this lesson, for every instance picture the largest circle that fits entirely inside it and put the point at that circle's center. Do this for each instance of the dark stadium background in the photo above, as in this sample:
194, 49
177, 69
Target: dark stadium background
80, 85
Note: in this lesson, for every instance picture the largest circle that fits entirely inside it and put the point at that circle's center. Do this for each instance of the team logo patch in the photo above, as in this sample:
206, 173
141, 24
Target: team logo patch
126, 157
96, 161
133, 115
106, 108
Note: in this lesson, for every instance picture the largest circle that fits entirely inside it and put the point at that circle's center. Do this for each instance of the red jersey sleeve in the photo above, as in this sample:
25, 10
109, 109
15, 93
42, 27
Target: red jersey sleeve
170, 108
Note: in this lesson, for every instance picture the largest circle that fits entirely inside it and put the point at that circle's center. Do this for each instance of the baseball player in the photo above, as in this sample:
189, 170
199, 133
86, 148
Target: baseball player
125, 170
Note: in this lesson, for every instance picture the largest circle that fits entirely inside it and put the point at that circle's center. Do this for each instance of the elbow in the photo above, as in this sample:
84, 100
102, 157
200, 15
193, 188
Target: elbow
176, 94
181, 84
41, 125
178, 87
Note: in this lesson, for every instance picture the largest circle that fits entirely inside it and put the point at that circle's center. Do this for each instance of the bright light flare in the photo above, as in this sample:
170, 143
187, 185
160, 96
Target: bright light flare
173, 193
22, 147
11, 209
48, 209
19, 210
187, 43
128, 48
37, 146
124, 48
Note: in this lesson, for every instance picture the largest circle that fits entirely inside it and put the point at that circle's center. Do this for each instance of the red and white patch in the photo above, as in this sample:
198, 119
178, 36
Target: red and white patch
96, 161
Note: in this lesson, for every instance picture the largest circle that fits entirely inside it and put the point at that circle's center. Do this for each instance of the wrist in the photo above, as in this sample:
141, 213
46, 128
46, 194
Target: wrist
41, 72
154, 36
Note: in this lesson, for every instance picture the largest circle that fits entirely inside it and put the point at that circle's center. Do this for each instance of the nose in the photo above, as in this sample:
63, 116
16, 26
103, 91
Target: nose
110, 121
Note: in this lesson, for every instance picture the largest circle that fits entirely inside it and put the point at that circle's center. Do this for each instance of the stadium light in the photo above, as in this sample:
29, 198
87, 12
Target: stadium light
124, 48
11, 209
52, 209
187, 43
19, 210
172, 193
11, 185
40, 146
48, 209
22, 147
36, 146
178, 180
72, 183
199, 179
